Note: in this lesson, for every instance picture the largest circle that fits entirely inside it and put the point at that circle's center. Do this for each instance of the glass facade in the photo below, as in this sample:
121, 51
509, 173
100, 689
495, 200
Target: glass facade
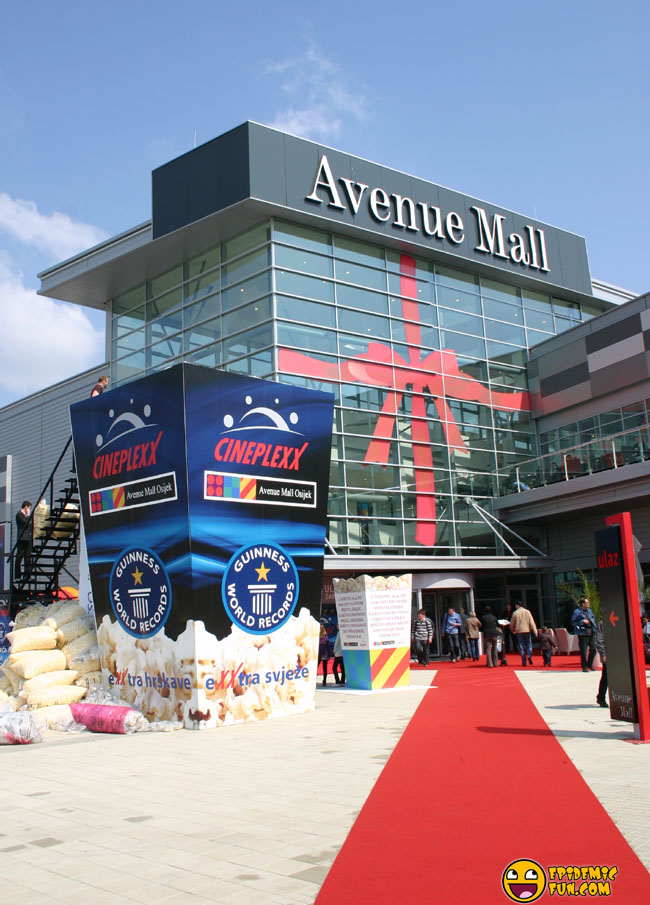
427, 364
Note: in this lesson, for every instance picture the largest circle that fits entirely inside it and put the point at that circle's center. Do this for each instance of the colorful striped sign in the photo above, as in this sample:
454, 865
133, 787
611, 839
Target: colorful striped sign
371, 670
107, 500
230, 487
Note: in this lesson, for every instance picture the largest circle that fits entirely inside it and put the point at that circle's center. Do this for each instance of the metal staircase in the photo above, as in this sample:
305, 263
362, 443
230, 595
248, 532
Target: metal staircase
59, 537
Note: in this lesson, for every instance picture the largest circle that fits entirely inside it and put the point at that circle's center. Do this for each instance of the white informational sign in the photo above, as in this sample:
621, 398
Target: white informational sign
374, 611
85, 589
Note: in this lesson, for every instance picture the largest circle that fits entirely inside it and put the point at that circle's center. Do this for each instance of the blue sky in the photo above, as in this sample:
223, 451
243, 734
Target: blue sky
541, 108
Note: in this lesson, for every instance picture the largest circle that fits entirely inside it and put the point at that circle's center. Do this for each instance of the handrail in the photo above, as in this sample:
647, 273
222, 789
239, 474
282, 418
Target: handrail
595, 455
30, 521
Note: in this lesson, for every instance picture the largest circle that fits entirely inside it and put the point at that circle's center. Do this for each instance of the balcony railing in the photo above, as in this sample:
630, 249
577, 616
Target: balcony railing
601, 454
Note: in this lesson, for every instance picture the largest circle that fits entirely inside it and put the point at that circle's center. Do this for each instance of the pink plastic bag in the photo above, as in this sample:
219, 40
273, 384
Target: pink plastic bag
108, 718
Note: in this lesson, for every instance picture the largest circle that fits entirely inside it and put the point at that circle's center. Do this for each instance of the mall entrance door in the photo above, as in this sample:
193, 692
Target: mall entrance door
436, 604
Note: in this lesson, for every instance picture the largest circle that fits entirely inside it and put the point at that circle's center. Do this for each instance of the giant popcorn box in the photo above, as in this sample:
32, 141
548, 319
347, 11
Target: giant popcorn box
374, 617
203, 498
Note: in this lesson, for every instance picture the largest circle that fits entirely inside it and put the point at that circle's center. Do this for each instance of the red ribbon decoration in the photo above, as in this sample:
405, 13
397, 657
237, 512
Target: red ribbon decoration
438, 373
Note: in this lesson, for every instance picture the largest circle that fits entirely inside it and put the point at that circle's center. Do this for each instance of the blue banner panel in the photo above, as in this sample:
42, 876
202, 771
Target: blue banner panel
204, 499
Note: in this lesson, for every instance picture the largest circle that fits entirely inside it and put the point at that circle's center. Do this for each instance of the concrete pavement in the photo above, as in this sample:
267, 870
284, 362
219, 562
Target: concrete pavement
253, 814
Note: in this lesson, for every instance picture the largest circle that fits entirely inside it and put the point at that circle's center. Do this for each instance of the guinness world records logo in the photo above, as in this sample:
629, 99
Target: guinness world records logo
260, 587
141, 594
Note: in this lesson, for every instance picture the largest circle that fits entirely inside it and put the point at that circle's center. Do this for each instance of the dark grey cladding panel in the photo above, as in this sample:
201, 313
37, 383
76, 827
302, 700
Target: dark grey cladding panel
568, 352
612, 333
616, 376
563, 379
646, 340
207, 179
270, 166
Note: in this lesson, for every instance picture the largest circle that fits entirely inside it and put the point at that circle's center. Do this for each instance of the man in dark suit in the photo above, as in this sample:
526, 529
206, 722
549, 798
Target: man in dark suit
24, 541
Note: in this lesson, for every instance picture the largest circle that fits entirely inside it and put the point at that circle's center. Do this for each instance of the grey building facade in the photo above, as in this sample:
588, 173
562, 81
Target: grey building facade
416, 305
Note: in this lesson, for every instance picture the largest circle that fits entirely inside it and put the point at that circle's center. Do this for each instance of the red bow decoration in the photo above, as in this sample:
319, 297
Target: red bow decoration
438, 373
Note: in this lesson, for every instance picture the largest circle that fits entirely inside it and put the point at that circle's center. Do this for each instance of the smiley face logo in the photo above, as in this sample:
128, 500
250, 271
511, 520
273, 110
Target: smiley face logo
523, 881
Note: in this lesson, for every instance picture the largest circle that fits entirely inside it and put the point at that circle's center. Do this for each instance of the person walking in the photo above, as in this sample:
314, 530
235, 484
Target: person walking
601, 698
338, 666
547, 644
323, 652
584, 626
490, 636
462, 635
451, 627
421, 637
472, 627
522, 626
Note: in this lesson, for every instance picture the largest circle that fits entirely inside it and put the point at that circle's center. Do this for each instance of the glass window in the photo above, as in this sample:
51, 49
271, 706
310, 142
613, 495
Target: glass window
207, 332
168, 348
202, 284
540, 320
355, 396
502, 311
424, 292
568, 435
247, 343
367, 324
164, 303
127, 322
201, 311
245, 266
534, 338
308, 338
349, 346
460, 320
536, 301
589, 311
423, 269
454, 298
299, 284
304, 261
588, 428
357, 447
610, 422
131, 342
203, 263
361, 252
248, 316
250, 239
505, 332
372, 476
348, 272
164, 282
633, 415
128, 368
302, 236
494, 289
309, 312
567, 309
510, 377
463, 345
209, 356
404, 332
562, 324
457, 279
508, 355
164, 326
478, 370
362, 298
246, 291
258, 365
129, 299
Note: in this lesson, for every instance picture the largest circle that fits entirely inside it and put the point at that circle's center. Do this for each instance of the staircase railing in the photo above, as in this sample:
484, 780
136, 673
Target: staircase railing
35, 576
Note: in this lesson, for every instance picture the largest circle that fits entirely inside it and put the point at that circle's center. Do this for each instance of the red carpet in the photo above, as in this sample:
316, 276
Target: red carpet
476, 782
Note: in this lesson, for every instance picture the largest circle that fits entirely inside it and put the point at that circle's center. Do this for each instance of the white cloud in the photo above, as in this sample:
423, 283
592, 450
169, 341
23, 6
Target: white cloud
318, 99
56, 234
41, 341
